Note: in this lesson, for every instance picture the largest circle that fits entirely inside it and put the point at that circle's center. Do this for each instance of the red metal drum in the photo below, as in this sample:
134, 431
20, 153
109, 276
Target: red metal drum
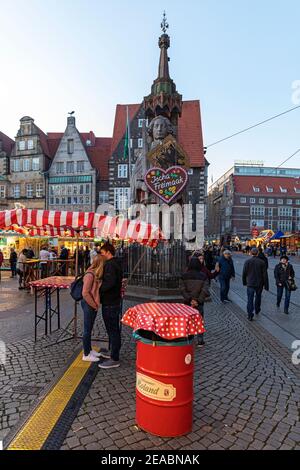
164, 388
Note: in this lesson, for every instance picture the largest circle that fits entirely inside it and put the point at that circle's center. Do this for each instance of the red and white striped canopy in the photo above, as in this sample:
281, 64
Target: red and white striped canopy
88, 224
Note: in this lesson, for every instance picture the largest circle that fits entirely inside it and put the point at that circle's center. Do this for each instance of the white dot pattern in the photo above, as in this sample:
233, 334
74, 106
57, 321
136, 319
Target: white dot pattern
169, 321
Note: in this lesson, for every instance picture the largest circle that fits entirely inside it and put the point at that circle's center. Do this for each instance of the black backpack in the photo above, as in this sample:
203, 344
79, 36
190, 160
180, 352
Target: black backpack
77, 286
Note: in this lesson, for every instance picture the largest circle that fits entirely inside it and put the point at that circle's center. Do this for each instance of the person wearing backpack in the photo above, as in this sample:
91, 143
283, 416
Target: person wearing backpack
90, 304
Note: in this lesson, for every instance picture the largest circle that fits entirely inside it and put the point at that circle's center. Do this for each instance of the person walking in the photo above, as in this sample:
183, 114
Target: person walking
285, 277
263, 257
13, 262
1, 262
226, 270
110, 294
255, 277
21, 267
44, 258
90, 304
195, 289
64, 255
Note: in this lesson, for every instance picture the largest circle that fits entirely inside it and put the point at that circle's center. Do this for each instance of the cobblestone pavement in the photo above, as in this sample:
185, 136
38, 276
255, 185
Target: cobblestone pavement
246, 394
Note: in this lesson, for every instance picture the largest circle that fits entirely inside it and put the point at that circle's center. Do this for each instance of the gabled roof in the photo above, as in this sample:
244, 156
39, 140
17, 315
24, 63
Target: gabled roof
189, 129
43, 141
120, 122
98, 152
7, 143
246, 185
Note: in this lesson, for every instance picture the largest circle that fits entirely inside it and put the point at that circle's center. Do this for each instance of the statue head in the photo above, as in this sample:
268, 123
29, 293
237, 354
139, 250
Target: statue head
159, 128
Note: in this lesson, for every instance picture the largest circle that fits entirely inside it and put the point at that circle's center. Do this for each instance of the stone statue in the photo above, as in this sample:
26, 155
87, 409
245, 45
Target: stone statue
158, 129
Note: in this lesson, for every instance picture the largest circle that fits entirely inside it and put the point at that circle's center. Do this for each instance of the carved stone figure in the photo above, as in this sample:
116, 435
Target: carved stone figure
158, 129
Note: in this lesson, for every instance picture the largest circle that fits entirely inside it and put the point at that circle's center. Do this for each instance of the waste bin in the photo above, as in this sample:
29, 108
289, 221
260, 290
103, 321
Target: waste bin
164, 385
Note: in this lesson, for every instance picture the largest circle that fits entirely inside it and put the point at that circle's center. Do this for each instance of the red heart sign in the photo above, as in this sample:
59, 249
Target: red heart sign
166, 184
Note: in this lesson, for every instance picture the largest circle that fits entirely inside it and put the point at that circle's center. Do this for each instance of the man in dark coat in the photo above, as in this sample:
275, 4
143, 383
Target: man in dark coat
283, 273
195, 289
255, 277
226, 270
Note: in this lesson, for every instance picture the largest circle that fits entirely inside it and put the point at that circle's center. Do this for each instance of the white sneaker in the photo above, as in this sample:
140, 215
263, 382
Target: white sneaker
94, 353
90, 358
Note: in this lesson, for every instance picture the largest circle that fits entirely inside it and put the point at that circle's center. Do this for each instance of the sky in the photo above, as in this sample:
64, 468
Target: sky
239, 58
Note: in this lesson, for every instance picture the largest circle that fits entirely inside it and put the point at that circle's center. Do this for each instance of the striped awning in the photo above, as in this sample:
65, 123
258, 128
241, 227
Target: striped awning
89, 224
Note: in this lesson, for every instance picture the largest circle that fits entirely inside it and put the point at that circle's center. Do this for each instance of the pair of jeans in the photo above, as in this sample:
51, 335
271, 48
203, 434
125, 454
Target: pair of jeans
89, 317
111, 316
44, 269
253, 292
13, 267
224, 288
287, 296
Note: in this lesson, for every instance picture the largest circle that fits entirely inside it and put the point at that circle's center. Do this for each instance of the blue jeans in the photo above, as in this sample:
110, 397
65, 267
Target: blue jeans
89, 317
224, 286
111, 316
287, 297
251, 305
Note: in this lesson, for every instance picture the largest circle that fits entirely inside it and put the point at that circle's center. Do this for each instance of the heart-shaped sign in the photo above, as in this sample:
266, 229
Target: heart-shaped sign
166, 184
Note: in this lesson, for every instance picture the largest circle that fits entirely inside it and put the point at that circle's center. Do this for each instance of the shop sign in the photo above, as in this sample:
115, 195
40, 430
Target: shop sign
166, 184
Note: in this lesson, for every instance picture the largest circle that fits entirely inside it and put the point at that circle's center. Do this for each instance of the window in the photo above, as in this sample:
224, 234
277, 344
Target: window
16, 191
298, 202
261, 200
279, 201
87, 189
69, 190
283, 190
80, 166
269, 189
16, 165
140, 143
60, 167
88, 142
63, 200
257, 211
289, 201
70, 146
298, 213
69, 200
285, 225
141, 122
258, 222
131, 143
252, 200
39, 190
29, 190
285, 211
122, 171
26, 164
269, 212
51, 201
70, 167
103, 197
243, 200
121, 197
2, 192
57, 201
297, 190
22, 145
190, 171
80, 199
271, 201
256, 189
30, 144
35, 164
75, 200
87, 199
81, 189
75, 189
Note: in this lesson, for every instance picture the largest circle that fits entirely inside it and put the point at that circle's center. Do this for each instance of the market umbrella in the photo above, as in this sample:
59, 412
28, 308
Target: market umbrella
167, 320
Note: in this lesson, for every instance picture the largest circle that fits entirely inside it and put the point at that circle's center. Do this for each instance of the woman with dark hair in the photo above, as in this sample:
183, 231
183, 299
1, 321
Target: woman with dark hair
204, 269
195, 289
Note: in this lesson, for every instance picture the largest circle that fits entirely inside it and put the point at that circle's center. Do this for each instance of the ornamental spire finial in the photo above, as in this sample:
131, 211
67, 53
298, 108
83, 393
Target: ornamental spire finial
164, 24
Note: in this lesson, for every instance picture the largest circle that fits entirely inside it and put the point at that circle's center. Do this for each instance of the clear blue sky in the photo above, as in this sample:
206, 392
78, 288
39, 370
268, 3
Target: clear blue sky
239, 58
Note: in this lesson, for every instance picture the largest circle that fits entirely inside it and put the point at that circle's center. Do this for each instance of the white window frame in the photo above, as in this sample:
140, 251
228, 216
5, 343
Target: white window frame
121, 198
70, 146
29, 190
2, 191
39, 190
252, 200
70, 164
270, 201
269, 189
35, 164
140, 143
16, 191
279, 201
190, 171
26, 164
103, 197
261, 200
30, 144
22, 145
283, 190
140, 123
289, 202
243, 200
256, 189
80, 167
123, 170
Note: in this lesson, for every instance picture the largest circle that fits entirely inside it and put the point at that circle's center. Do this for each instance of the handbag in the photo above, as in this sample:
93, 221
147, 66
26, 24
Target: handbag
291, 285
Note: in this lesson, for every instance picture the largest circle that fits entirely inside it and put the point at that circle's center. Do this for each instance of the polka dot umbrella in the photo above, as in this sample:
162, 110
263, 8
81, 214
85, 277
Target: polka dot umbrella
169, 321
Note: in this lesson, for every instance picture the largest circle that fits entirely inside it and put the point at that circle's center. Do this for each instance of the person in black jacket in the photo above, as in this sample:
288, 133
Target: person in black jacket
283, 273
255, 277
13, 262
110, 298
262, 256
195, 289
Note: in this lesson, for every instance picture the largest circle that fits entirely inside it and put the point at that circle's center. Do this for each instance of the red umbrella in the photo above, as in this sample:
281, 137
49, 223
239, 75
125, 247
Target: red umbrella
169, 321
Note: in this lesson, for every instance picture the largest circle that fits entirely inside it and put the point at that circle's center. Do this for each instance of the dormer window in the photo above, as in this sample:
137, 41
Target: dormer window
269, 189
283, 190
297, 190
256, 189
88, 143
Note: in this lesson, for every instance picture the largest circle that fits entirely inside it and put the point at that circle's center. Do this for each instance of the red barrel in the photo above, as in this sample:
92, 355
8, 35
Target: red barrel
164, 387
